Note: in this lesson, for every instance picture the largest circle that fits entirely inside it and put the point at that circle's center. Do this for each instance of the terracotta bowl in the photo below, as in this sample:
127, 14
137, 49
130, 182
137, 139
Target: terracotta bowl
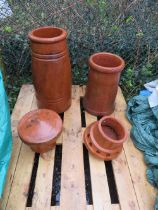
39, 129
105, 138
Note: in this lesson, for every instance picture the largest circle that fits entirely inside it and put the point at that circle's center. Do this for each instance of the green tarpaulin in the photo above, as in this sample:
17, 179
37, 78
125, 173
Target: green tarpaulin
5, 135
144, 134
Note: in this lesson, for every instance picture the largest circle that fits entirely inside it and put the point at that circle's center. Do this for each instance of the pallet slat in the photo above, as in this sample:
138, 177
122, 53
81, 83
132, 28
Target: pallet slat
72, 173
116, 207
18, 196
125, 188
43, 186
145, 193
22, 106
60, 139
22, 176
100, 189
90, 207
124, 183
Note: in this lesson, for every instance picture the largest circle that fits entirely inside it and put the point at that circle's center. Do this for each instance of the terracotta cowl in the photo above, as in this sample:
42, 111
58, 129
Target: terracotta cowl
105, 138
51, 68
39, 129
103, 79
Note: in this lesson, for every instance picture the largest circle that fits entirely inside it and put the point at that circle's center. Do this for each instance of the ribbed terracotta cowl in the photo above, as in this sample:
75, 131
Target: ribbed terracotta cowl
103, 79
51, 68
39, 129
105, 138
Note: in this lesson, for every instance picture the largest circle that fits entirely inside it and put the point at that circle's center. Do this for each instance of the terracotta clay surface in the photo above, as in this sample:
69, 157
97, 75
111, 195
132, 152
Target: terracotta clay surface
105, 138
51, 68
103, 79
39, 129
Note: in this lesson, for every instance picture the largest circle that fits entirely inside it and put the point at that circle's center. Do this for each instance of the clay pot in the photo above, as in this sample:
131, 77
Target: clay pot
39, 129
103, 79
105, 138
51, 68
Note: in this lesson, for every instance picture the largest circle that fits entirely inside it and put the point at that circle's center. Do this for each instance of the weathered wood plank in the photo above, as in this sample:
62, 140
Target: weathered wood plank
90, 119
19, 190
124, 183
23, 105
90, 207
100, 188
72, 173
116, 207
125, 188
60, 139
51, 208
18, 195
43, 186
55, 208
145, 193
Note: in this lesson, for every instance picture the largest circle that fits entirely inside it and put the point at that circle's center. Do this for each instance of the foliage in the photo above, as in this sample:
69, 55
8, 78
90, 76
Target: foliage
16, 55
128, 28
132, 81
13, 85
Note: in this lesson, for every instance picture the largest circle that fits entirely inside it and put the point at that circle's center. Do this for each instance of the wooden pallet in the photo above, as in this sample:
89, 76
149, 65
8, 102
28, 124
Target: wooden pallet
133, 190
